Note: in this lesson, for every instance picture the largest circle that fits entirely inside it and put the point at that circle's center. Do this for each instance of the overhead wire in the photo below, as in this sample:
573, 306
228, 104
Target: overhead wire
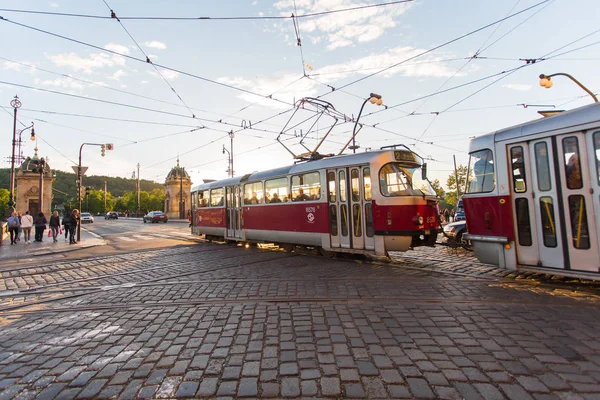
204, 18
148, 60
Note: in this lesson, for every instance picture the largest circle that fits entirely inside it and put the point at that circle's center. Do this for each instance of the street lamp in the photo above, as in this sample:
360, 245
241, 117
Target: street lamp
546, 82
15, 104
231, 136
373, 99
228, 161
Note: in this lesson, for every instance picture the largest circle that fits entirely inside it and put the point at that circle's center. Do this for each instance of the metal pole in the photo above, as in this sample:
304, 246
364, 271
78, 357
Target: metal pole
181, 193
231, 136
79, 184
41, 191
356, 124
138, 191
588, 91
16, 104
456, 177
104, 197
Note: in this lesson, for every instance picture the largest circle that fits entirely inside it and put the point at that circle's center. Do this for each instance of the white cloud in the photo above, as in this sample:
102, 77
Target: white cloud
119, 48
427, 66
517, 86
169, 75
87, 65
117, 75
345, 28
62, 82
154, 44
53, 5
254, 3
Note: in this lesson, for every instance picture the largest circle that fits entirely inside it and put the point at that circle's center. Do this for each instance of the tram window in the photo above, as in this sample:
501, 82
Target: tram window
276, 190
204, 197
342, 179
369, 230
331, 186
355, 184
333, 227
344, 219
548, 222
356, 211
306, 187
597, 151
579, 224
484, 179
396, 180
367, 183
572, 162
253, 193
216, 197
542, 166
523, 222
518, 169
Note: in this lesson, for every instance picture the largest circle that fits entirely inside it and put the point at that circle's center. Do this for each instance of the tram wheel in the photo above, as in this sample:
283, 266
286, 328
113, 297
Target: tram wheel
327, 253
288, 248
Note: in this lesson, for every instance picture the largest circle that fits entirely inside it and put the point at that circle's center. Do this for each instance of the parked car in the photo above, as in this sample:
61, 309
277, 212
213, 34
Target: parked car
156, 216
111, 215
86, 217
454, 232
459, 214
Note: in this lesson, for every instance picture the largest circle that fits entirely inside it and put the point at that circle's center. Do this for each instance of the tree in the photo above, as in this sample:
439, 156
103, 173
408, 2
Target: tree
437, 186
451, 184
4, 194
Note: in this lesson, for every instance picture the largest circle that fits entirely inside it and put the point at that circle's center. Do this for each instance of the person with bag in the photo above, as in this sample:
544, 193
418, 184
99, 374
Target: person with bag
26, 225
54, 225
20, 223
74, 223
40, 226
67, 219
13, 227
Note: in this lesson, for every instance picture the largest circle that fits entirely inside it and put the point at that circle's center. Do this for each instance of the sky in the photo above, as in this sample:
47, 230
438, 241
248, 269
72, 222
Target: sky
447, 71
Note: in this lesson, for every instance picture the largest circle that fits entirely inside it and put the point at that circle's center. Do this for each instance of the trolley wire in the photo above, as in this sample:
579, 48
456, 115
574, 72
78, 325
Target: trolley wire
114, 16
205, 18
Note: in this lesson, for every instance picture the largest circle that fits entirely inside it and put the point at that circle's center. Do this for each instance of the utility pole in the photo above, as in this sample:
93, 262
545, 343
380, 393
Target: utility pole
104, 197
138, 190
457, 183
181, 211
15, 104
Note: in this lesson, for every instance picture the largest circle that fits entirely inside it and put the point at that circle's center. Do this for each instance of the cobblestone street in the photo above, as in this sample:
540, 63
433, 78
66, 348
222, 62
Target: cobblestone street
215, 320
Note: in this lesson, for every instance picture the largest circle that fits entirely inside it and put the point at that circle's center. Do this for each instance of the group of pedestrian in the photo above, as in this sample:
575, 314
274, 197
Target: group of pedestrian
18, 223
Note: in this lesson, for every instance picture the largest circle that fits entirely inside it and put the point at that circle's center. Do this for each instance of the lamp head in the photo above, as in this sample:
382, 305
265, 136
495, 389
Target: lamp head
545, 81
375, 99
32, 134
231, 134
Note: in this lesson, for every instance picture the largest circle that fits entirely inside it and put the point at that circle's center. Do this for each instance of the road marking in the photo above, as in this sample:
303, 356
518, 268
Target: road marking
126, 239
180, 233
142, 237
160, 235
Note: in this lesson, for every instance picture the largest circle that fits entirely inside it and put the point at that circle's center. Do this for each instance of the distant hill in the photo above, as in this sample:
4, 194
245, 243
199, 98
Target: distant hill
65, 182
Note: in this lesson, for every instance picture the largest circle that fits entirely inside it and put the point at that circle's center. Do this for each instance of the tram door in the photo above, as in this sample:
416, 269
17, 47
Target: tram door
234, 212
523, 198
347, 209
593, 145
546, 225
578, 201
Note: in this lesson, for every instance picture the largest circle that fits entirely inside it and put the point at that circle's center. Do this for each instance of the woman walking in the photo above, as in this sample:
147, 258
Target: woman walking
26, 224
67, 219
40, 226
54, 225
74, 223
13, 227
21, 223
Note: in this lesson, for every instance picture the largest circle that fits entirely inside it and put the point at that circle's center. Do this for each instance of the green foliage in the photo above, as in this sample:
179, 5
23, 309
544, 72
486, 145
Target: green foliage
451, 184
4, 193
437, 186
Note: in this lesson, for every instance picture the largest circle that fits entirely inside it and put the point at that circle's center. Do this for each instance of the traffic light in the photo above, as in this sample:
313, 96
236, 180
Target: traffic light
103, 150
88, 190
110, 146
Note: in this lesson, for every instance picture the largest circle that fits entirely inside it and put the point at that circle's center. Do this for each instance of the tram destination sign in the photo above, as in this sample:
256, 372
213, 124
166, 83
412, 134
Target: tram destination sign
401, 155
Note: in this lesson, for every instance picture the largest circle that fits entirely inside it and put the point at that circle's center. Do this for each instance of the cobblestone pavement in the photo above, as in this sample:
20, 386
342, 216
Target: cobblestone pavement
214, 320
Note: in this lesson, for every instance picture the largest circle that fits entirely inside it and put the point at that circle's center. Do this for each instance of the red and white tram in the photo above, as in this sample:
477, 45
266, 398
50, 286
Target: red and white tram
534, 194
332, 204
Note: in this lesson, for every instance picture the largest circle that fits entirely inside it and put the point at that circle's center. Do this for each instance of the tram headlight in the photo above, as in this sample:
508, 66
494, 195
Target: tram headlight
418, 220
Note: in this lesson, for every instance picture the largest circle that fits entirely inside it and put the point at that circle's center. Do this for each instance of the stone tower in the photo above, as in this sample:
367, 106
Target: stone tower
178, 182
34, 174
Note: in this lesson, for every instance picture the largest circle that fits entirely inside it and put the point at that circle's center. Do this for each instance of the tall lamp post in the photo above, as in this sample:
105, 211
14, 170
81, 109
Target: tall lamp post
15, 104
181, 210
546, 82
231, 136
138, 190
373, 99
228, 161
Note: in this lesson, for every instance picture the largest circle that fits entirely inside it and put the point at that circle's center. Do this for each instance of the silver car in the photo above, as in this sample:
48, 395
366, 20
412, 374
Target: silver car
86, 217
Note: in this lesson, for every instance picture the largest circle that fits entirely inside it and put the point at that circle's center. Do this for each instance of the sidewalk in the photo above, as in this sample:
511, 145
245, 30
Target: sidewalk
22, 250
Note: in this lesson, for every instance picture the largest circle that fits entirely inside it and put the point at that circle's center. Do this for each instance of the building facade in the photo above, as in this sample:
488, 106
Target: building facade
177, 192
34, 186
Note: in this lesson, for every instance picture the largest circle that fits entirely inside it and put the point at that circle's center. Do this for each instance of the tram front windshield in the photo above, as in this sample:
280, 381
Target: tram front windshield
397, 180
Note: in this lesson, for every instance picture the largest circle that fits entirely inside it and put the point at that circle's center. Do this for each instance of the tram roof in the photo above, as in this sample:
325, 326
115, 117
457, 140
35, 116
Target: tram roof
577, 116
327, 162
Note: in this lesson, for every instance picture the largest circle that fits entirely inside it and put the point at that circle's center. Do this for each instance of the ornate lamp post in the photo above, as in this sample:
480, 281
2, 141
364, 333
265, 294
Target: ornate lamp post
231, 136
546, 82
373, 99
15, 104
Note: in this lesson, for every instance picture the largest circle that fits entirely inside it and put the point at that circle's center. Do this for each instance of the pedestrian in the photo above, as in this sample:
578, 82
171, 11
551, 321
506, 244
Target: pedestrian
26, 225
67, 224
20, 228
54, 225
447, 215
74, 223
13, 227
40, 226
